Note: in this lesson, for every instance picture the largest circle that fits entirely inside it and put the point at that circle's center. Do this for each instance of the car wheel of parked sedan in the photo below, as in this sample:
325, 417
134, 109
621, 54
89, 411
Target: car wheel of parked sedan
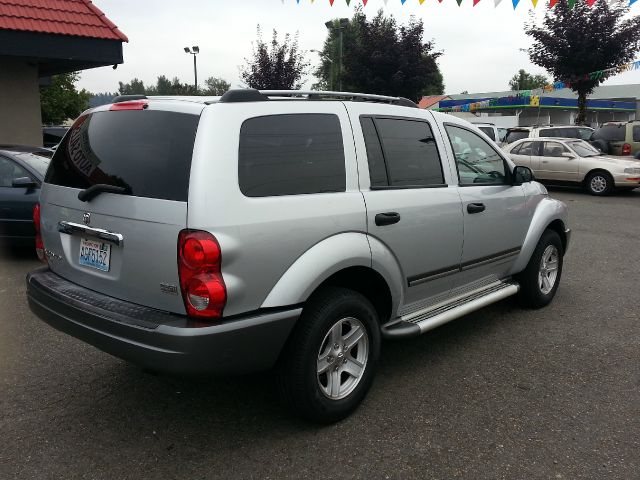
329, 361
599, 183
540, 280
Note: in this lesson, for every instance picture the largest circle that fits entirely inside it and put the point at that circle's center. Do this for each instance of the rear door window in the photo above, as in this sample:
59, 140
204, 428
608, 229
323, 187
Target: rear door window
553, 149
548, 132
147, 152
375, 157
515, 135
291, 155
410, 153
525, 148
488, 131
9, 171
610, 133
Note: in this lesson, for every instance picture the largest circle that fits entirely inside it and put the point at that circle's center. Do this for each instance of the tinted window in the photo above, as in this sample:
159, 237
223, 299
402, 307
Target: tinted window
488, 131
612, 133
515, 135
568, 133
553, 149
584, 149
503, 133
291, 155
636, 133
585, 133
525, 148
549, 132
410, 152
146, 151
377, 170
9, 171
37, 162
478, 162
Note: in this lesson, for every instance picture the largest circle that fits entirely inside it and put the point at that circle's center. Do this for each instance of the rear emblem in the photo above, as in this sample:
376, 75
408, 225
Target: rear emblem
86, 218
169, 289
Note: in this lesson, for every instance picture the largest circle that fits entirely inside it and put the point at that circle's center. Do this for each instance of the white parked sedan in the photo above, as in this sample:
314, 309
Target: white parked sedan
571, 161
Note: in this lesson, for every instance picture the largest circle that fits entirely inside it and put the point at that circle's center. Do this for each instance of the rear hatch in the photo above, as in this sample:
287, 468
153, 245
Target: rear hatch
122, 241
612, 136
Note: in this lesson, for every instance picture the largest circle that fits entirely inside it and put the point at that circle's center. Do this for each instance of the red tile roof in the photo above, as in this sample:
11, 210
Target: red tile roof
79, 18
426, 102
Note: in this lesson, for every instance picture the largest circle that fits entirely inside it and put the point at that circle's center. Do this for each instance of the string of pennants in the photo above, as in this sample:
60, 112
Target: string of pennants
532, 97
552, 3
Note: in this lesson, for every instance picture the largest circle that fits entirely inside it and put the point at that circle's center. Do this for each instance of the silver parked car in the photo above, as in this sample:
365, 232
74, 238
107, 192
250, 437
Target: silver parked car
571, 161
236, 234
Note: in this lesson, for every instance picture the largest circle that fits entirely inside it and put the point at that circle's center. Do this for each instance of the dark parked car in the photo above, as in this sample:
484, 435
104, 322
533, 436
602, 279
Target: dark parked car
52, 136
22, 171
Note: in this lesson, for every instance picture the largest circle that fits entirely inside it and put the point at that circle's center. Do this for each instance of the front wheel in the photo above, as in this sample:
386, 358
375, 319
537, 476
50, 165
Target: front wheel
540, 280
599, 183
329, 362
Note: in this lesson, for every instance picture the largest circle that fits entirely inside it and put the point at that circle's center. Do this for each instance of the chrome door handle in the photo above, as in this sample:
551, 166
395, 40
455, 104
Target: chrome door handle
71, 228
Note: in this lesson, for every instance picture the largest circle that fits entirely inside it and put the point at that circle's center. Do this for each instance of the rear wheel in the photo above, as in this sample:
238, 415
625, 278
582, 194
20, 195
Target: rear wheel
599, 183
330, 360
540, 280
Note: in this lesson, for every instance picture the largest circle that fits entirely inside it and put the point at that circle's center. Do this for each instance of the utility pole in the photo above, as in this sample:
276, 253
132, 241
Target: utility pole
343, 23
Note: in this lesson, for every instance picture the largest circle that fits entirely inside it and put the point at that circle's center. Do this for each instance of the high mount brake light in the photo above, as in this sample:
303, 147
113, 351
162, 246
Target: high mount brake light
132, 105
37, 226
199, 267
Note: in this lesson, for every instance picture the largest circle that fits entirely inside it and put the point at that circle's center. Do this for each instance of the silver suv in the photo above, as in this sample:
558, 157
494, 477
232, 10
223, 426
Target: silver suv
262, 229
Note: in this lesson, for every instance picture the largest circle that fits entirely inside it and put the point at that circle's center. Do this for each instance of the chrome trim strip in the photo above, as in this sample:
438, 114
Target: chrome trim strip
71, 228
418, 280
493, 258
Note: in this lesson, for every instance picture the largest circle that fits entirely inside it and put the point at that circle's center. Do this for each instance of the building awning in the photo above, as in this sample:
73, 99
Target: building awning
59, 35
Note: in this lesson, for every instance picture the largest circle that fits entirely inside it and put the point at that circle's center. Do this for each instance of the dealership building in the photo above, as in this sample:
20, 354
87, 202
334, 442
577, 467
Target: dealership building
560, 107
41, 38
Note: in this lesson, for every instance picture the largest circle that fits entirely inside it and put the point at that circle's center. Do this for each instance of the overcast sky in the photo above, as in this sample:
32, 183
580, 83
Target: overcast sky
480, 43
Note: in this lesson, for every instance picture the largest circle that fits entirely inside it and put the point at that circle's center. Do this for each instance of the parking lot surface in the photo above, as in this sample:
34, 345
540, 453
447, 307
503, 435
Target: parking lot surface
502, 393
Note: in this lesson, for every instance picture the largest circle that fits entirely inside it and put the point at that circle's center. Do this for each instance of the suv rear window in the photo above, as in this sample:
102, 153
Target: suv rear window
611, 133
146, 151
515, 135
291, 154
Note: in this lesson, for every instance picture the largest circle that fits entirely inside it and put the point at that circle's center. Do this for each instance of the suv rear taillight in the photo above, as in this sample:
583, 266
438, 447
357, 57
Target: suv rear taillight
36, 225
626, 149
199, 267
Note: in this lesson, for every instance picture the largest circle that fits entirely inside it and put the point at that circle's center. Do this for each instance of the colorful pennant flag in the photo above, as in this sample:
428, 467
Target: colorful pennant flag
552, 3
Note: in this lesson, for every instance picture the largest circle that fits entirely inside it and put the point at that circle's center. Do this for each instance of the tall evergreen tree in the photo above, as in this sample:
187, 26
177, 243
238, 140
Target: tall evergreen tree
381, 57
574, 40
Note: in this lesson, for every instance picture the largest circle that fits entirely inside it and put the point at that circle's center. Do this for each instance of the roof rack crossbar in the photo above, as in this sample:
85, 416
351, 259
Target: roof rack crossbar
318, 95
251, 95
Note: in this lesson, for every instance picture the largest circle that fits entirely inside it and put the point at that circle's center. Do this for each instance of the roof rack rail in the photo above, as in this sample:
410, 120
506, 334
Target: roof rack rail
252, 95
128, 98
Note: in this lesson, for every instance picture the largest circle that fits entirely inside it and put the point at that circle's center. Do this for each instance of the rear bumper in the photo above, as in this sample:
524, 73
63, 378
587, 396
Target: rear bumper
158, 340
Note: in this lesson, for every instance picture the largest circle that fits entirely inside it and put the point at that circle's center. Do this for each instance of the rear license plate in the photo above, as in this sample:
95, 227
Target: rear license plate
95, 254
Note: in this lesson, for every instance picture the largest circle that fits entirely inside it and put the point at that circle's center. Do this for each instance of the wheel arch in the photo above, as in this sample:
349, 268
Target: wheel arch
341, 260
549, 214
595, 170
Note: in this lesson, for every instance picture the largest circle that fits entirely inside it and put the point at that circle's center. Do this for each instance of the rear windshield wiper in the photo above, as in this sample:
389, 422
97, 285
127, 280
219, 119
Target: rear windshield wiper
93, 191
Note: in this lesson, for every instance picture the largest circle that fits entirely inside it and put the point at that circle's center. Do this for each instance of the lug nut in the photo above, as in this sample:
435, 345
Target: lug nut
329, 359
336, 346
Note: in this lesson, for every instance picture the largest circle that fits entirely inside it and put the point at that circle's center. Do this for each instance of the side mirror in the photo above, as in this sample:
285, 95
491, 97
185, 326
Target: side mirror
522, 175
568, 155
24, 182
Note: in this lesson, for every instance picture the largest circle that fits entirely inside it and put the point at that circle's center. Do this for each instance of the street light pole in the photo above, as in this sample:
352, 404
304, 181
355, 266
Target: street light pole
326, 58
342, 24
195, 50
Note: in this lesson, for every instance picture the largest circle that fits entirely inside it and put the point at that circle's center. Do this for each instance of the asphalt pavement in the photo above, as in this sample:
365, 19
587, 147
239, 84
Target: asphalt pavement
503, 393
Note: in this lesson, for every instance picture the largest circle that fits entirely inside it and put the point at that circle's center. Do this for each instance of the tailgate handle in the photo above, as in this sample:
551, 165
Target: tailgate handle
72, 228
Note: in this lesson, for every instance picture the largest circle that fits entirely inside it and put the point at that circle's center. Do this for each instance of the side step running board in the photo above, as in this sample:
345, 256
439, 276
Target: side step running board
434, 317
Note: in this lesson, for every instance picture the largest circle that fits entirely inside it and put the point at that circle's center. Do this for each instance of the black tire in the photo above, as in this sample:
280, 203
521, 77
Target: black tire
603, 181
531, 292
298, 377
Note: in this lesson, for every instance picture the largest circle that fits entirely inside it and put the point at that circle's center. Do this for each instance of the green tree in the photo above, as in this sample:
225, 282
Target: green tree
275, 65
134, 87
575, 40
526, 81
215, 86
61, 101
380, 56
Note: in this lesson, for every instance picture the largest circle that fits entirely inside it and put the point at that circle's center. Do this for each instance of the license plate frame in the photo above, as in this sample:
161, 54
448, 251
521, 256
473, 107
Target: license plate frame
94, 254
